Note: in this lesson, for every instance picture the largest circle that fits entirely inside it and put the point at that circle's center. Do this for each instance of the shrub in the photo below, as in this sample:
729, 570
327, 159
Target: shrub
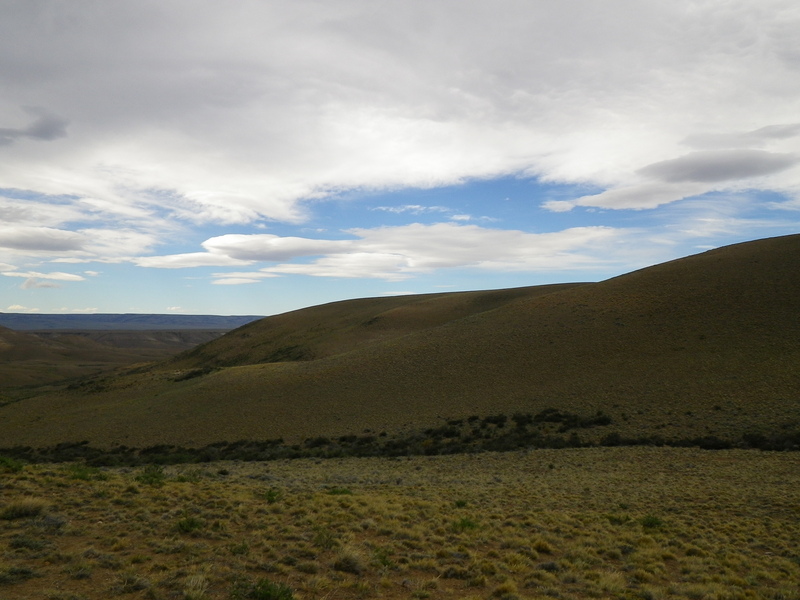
10, 465
497, 420
349, 561
272, 495
338, 491
195, 587
20, 542
240, 549
152, 475
129, 582
522, 420
325, 538
85, 472
618, 519
25, 508
465, 524
651, 522
189, 524
16, 574
263, 589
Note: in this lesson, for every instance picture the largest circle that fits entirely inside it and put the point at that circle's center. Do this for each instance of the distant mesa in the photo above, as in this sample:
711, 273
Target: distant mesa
131, 321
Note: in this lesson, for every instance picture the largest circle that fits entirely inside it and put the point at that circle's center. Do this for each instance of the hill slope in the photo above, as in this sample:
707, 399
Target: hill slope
27, 359
705, 345
339, 327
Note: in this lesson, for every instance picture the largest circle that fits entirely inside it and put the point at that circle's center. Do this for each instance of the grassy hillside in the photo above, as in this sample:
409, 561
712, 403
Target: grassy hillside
340, 327
703, 346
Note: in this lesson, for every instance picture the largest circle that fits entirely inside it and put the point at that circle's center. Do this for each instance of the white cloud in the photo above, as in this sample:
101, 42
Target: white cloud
643, 196
38, 213
45, 126
34, 283
690, 175
746, 139
396, 253
234, 278
213, 113
714, 166
190, 259
22, 309
268, 247
414, 209
57, 276
40, 239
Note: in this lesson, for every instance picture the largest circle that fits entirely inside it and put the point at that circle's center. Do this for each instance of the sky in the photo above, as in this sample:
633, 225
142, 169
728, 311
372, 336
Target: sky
260, 156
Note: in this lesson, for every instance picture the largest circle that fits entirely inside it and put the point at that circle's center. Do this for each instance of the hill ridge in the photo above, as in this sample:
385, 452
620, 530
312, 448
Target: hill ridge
702, 346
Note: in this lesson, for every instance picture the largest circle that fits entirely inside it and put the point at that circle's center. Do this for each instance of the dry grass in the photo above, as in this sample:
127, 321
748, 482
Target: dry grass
590, 523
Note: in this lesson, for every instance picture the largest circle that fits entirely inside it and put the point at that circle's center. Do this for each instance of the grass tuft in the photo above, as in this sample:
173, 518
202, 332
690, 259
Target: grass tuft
23, 509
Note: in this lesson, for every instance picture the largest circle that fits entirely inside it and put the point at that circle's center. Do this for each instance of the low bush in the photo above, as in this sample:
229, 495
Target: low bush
152, 475
23, 509
263, 589
189, 524
10, 465
15, 575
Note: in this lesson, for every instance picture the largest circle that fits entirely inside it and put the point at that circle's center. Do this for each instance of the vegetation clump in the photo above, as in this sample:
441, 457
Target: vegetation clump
262, 589
549, 428
25, 508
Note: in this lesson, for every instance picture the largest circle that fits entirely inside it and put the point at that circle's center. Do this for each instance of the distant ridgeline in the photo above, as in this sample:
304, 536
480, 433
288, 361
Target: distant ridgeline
38, 322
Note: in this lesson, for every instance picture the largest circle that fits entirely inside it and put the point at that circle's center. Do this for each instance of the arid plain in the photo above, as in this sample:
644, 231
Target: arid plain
395, 402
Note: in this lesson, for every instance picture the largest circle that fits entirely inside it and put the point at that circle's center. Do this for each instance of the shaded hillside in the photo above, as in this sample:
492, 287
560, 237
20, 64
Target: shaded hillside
26, 359
706, 345
159, 343
43, 357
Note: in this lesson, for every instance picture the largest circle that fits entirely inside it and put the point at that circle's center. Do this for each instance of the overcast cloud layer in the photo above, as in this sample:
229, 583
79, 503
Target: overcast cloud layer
127, 126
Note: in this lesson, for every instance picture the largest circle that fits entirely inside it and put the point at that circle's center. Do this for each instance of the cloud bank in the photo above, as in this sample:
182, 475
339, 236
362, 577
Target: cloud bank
127, 126
242, 112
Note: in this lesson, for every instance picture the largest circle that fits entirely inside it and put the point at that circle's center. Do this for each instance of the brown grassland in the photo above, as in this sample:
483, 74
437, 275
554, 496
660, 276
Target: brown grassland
634, 523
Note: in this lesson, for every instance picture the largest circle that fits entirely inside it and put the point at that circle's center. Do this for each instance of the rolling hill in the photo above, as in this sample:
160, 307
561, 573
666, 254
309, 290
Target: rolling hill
707, 345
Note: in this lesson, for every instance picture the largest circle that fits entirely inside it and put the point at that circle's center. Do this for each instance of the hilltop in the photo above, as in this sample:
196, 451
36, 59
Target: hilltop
702, 346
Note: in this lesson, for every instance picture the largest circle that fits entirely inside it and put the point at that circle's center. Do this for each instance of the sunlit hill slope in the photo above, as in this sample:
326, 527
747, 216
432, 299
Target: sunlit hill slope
705, 345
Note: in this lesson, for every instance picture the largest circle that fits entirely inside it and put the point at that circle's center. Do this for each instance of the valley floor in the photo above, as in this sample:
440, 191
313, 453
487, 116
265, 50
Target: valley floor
645, 523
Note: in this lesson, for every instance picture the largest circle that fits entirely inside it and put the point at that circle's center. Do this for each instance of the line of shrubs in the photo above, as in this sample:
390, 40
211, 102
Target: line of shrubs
499, 433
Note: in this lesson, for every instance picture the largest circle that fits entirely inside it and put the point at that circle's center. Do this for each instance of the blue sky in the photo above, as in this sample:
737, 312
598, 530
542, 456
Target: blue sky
262, 156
